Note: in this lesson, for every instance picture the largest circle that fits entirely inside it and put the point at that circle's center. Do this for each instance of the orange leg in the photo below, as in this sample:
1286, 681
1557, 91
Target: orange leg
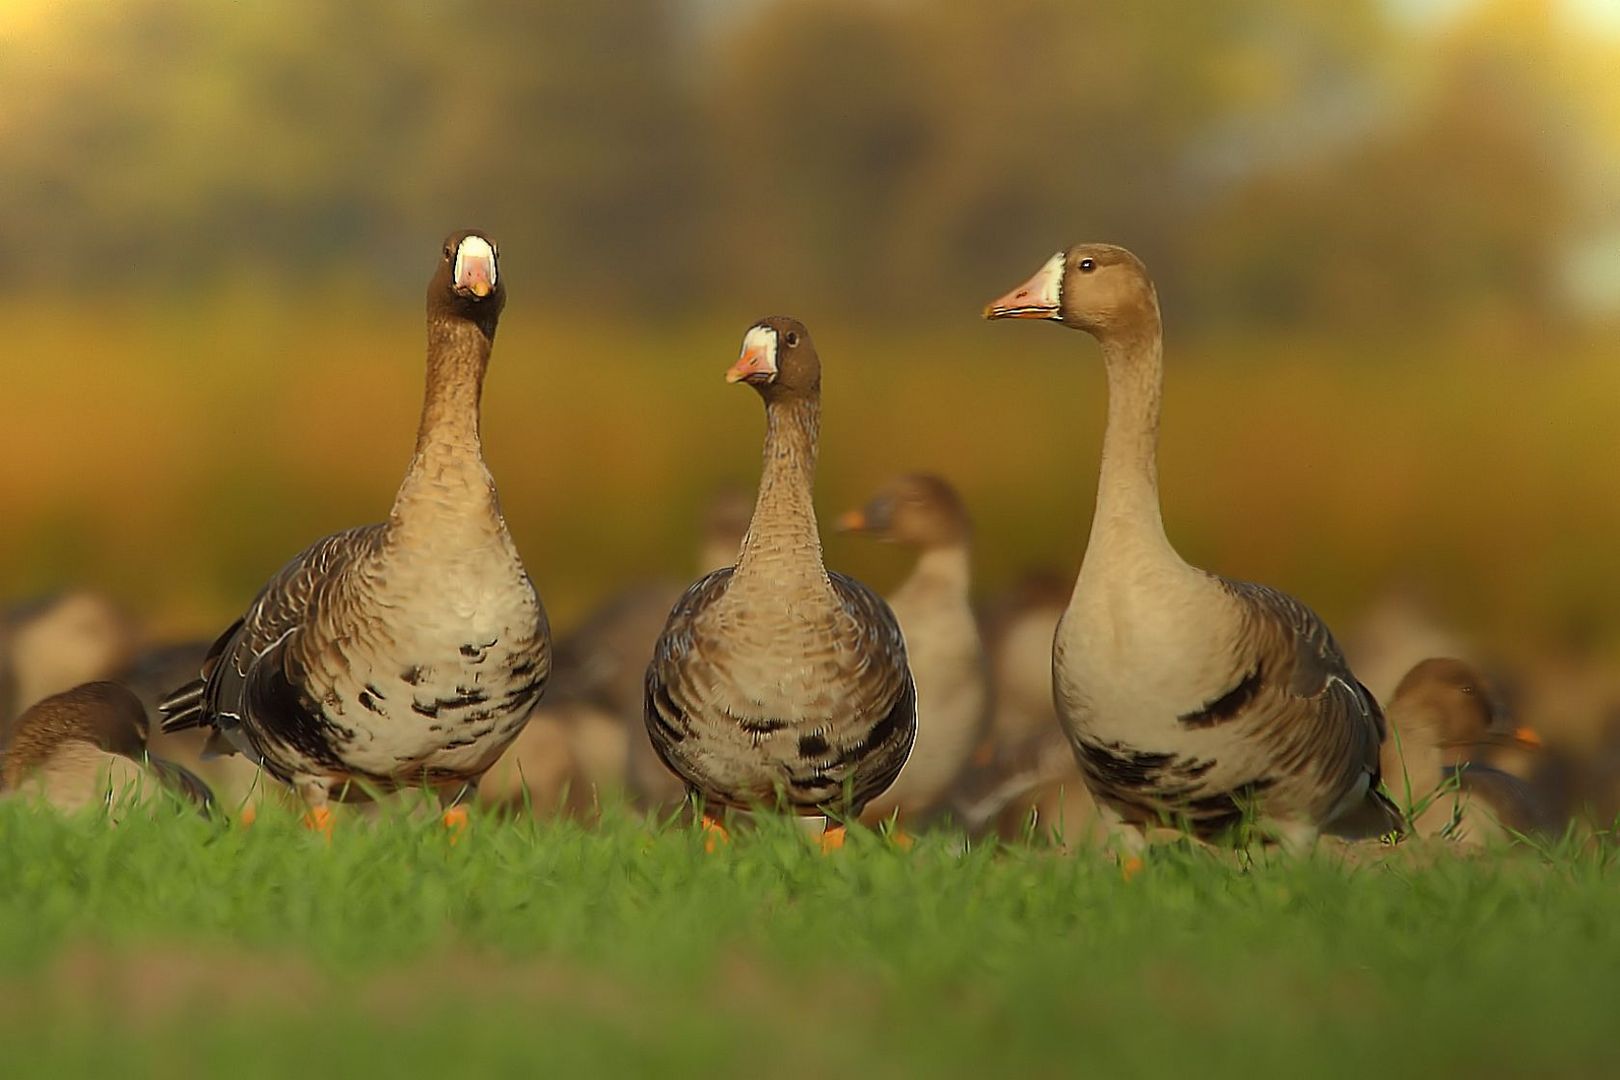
1130, 866
247, 815
714, 834
832, 837
455, 820
319, 819
901, 839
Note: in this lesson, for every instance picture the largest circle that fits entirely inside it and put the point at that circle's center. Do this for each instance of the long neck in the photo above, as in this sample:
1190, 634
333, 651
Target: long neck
1128, 485
947, 567
782, 539
447, 473
1420, 756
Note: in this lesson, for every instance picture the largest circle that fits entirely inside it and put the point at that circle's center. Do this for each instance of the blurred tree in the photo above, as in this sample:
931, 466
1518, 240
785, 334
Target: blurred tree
166, 141
1274, 161
1457, 199
823, 117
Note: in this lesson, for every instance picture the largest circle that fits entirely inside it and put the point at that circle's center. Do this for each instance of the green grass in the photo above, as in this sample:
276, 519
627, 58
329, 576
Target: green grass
172, 946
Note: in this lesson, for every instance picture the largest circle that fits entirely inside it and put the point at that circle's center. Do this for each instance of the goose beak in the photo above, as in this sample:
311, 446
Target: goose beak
852, 521
755, 365
1041, 297
474, 277
1527, 737
475, 267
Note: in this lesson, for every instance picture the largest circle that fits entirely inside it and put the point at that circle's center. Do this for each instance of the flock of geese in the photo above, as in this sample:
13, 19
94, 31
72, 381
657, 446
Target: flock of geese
1156, 695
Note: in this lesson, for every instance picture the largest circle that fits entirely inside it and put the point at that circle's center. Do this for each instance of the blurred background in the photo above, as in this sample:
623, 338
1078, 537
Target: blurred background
1386, 235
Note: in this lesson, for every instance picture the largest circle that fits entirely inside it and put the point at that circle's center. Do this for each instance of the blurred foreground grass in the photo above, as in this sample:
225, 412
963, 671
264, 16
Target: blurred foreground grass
177, 457
170, 946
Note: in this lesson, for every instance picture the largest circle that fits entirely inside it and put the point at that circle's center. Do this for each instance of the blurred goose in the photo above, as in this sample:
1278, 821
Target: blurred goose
588, 738
1443, 719
403, 653
56, 643
1189, 699
777, 682
1024, 771
942, 636
87, 745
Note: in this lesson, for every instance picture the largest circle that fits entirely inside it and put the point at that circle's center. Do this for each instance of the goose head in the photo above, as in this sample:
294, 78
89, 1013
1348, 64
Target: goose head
918, 509
104, 714
778, 359
1449, 704
469, 283
1099, 288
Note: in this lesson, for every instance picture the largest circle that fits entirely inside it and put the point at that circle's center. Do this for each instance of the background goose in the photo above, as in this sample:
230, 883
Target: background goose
57, 642
1444, 720
1189, 698
943, 645
408, 652
588, 738
87, 745
777, 681
1024, 771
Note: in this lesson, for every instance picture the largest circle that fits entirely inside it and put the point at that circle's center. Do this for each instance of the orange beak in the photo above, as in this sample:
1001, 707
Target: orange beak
754, 365
1041, 297
852, 521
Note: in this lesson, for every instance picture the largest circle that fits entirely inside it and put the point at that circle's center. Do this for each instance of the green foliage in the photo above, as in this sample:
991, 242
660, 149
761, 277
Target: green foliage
172, 943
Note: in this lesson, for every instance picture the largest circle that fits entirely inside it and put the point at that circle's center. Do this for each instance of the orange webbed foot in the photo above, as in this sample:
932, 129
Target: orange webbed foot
714, 834
455, 821
832, 838
319, 819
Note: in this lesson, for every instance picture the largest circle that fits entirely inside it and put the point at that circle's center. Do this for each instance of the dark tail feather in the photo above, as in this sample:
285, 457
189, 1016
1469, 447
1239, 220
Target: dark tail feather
183, 708
1377, 815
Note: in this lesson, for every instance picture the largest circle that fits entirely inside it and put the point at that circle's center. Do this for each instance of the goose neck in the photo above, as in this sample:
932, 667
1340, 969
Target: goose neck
447, 473
946, 566
1128, 484
782, 533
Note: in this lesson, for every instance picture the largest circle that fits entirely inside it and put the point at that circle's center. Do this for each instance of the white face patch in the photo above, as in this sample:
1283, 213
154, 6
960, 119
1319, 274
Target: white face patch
762, 339
474, 249
1046, 287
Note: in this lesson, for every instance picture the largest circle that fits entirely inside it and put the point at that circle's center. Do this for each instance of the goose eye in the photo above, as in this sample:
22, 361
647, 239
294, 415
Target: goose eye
1087, 265
792, 339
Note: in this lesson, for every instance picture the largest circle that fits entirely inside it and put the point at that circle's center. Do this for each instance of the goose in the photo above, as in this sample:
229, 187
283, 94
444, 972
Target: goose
777, 681
58, 642
588, 738
1024, 771
943, 645
407, 652
1444, 718
1188, 698
87, 745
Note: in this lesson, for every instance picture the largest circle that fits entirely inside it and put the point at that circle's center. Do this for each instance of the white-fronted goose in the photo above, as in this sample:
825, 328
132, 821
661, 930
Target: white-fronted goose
403, 653
943, 646
87, 745
58, 642
1444, 719
778, 682
1189, 699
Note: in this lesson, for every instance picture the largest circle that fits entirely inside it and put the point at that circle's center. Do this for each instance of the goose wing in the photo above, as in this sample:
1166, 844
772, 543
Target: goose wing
252, 678
1317, 715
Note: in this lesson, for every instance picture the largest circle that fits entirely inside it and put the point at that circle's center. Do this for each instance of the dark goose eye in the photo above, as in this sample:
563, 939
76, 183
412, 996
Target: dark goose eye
792, 339
1087, 265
